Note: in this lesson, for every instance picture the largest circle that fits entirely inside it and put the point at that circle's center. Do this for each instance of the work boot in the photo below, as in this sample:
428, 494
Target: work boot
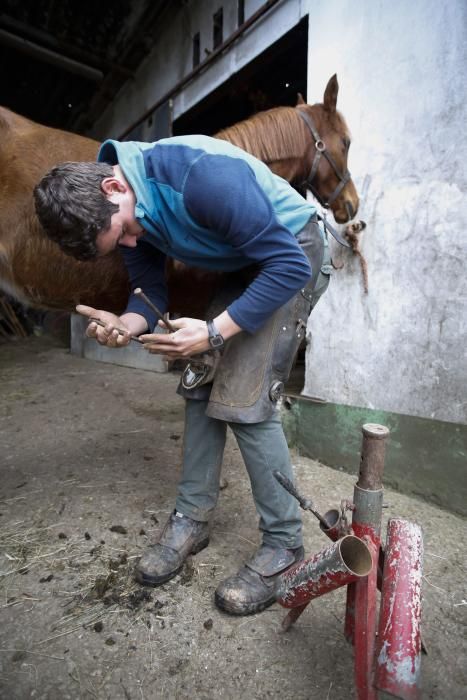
162, 561
253, 588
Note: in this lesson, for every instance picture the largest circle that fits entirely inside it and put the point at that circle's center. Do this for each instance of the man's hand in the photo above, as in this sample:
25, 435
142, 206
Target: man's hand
107, 335
190, 338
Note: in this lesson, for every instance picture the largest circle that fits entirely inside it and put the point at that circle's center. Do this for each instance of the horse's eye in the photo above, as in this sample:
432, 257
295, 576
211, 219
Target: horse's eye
346, 142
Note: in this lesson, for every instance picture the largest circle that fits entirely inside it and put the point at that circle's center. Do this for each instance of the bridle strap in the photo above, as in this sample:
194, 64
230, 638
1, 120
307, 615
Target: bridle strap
321, 150
337, 236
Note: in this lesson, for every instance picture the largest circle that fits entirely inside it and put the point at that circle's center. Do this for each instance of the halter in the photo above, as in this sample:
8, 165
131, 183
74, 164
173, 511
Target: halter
321, 150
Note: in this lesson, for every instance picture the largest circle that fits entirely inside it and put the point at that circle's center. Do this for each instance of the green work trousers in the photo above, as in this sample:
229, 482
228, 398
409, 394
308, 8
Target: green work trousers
263, 448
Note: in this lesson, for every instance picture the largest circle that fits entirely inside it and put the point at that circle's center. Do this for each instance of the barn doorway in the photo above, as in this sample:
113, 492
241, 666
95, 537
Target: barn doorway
272, 79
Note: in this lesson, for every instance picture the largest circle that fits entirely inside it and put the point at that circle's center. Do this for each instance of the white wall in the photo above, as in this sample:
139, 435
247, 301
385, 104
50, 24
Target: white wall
402, 72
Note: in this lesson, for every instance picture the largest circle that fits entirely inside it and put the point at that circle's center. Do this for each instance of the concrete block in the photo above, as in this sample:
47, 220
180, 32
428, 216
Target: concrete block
132, 355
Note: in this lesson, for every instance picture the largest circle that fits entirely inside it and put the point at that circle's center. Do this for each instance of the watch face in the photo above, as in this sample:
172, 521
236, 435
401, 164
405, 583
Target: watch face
216, 341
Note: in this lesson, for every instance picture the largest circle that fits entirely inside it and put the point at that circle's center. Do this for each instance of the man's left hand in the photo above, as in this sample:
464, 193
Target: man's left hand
190, 338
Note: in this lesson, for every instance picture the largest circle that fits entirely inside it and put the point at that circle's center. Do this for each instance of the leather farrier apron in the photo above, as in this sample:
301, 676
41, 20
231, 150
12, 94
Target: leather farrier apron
249, 376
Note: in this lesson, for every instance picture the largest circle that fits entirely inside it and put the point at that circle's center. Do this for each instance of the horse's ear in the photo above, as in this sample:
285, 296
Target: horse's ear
330, 94
300, 100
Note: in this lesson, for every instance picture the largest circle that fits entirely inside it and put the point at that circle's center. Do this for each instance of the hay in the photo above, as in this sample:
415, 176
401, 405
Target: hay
104, 585
23, 547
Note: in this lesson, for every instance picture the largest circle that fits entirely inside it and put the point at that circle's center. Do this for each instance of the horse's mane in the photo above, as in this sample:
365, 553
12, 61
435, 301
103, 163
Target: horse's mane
270, 135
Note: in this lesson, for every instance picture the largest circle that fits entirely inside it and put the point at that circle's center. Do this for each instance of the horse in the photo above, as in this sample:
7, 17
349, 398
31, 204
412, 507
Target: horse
306, 144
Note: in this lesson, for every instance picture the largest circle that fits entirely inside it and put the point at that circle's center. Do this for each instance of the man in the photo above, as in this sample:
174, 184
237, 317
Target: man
208, 204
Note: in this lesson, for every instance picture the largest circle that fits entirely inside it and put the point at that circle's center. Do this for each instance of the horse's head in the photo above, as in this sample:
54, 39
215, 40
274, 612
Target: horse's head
329, 179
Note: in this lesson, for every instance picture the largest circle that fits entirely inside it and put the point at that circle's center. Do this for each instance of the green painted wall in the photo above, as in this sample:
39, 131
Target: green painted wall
424, 457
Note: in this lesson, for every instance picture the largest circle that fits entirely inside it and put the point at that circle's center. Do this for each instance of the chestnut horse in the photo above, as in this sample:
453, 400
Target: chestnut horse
37, 273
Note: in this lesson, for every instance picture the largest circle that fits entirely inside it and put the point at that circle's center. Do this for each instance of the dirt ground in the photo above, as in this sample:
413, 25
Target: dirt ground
90, 459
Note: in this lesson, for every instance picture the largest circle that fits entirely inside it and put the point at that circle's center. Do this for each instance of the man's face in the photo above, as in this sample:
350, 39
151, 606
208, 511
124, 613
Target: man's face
124, 229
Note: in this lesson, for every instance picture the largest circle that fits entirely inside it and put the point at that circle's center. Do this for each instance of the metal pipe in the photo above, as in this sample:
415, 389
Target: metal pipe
335, 566
292, 616
25, 31
399, 641
349, 621
365, 628
349, 625
337, 527
360, 616
366, 523
368, 502
366, 518
48, 56
372, 457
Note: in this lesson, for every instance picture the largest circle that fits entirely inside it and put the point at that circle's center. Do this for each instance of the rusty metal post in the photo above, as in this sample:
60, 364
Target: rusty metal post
335, 566
360, 618
349, 622
365, 629
399, 638
336, 528
366, 518
372, 458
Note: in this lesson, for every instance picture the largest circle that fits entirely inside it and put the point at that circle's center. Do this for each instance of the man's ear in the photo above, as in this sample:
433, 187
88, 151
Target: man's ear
111, 185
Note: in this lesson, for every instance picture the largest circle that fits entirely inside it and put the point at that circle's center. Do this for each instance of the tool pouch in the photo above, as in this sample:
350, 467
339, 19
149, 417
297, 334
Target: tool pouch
197, 377
200, 370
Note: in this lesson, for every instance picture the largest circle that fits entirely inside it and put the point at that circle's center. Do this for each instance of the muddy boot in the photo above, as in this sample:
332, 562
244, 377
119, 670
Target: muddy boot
253, 588
162, 561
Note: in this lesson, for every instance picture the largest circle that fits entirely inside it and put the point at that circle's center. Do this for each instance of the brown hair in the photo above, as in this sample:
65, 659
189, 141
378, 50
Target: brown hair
72, 208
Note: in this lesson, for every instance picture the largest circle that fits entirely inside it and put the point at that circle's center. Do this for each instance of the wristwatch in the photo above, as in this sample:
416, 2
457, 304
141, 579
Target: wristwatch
216, 341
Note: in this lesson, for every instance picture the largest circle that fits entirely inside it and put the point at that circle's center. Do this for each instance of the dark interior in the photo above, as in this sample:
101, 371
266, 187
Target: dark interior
272, 79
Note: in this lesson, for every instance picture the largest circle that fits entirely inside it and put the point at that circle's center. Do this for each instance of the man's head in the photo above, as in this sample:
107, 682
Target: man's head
87, 208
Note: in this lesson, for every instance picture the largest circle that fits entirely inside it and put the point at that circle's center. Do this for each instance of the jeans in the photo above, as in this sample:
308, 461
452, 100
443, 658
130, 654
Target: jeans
263, 448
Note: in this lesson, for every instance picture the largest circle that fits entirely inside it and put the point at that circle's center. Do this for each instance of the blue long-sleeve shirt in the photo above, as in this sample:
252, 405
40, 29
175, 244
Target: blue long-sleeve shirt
212, 205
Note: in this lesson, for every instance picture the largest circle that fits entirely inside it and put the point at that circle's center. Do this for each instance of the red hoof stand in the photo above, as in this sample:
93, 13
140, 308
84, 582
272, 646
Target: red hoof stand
393, 664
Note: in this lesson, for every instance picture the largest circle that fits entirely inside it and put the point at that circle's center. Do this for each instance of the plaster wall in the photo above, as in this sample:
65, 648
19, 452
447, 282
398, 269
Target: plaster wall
402, 73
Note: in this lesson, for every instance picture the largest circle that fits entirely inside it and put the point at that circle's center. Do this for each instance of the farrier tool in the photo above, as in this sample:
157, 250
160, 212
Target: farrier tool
119, 330
195, 377
138, 292
305, 503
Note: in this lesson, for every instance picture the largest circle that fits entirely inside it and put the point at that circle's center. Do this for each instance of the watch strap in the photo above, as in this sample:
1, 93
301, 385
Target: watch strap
216, 341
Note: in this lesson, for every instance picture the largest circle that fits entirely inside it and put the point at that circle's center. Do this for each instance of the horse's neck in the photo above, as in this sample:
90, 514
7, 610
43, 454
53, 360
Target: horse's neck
276, 137
293, 169
296, 168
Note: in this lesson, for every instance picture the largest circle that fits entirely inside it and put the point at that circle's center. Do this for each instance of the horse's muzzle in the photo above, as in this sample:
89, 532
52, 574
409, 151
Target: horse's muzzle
349, 210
